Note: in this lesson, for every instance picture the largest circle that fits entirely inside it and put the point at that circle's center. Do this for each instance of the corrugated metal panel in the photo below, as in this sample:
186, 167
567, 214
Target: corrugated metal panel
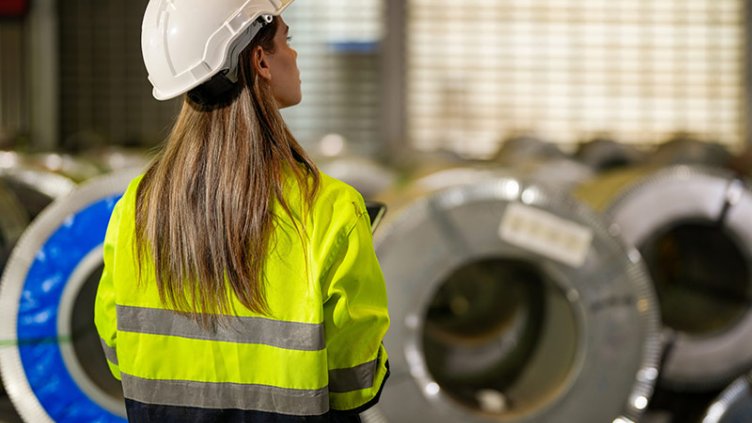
105, 95
479, 70
339, 54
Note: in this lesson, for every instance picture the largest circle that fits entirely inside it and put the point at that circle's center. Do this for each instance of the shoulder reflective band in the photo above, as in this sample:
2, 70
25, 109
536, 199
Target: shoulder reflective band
43, 383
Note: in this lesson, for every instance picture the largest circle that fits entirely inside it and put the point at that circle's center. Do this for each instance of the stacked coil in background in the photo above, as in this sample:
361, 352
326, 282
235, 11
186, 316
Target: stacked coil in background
733, 405
55, 369
13, 221
34, 185
479, 317
52, 365
511, 303
690, 223
604, 154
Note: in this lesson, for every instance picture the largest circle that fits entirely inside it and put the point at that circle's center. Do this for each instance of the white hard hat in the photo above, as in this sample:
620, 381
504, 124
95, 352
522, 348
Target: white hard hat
186, 42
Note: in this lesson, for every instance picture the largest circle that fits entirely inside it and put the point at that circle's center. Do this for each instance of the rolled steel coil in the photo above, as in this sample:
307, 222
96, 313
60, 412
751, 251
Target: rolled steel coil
114, 158
365, 175
691, 224
33, 186
741, 163
523, 148
605, 155
510, 303
55, 369
559, 174
552, 174
76, 168
13, 220
690, 151
733, 405
431, 179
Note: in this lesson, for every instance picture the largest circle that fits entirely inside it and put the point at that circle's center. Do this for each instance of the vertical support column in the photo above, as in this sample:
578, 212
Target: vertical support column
13, 104
394, 107
746, 125
43, 75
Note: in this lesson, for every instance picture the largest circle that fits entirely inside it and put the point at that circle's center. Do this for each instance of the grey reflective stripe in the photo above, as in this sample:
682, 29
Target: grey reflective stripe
109, 352
244, 330
182, 393
354, 378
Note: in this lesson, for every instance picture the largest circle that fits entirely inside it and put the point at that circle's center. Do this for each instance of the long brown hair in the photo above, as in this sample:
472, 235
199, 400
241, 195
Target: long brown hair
204, 207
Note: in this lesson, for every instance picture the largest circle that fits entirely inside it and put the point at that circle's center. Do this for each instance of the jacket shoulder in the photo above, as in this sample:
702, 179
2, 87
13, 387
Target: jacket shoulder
333, 190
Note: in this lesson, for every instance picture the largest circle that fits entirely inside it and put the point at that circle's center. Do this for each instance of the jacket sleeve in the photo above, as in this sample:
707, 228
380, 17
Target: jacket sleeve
105, 317
355, 318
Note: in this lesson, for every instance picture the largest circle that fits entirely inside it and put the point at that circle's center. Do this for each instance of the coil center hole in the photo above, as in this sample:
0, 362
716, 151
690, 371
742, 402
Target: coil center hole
86, 342
701, 277
500, 337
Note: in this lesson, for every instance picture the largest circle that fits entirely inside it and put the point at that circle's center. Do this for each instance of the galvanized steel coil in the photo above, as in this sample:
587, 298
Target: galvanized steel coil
558, 174
510, 303
35, 187
13, 220
367, 176
114, 158
76, 168
54, 369
522, 148
605, 155
692, 226
733, 405
690, 151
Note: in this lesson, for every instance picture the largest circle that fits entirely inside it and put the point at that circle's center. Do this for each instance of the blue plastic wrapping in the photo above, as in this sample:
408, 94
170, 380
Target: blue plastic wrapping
37, 327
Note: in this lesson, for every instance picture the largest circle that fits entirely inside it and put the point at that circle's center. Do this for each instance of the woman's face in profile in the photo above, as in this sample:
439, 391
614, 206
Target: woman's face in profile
285, 76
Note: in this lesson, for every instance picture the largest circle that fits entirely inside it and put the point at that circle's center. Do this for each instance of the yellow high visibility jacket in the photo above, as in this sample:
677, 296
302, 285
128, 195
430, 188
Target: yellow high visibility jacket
318, 350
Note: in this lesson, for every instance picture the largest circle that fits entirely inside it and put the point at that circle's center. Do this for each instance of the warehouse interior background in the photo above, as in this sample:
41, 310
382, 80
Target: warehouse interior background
567, 185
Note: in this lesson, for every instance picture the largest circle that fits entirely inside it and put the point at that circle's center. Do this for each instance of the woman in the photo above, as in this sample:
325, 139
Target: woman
239, 283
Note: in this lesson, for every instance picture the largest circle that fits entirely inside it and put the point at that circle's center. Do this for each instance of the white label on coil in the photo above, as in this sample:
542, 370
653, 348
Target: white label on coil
546, 234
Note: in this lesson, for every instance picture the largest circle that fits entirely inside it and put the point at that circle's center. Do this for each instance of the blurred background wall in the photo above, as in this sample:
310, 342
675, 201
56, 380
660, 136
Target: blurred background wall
386, 74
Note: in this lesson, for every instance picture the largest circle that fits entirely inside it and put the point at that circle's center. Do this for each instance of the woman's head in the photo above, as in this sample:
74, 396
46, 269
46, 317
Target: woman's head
192, 43
268, 66
275, 62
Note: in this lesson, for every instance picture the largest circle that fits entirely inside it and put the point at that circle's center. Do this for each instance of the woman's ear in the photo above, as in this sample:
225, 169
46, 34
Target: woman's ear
260, 63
